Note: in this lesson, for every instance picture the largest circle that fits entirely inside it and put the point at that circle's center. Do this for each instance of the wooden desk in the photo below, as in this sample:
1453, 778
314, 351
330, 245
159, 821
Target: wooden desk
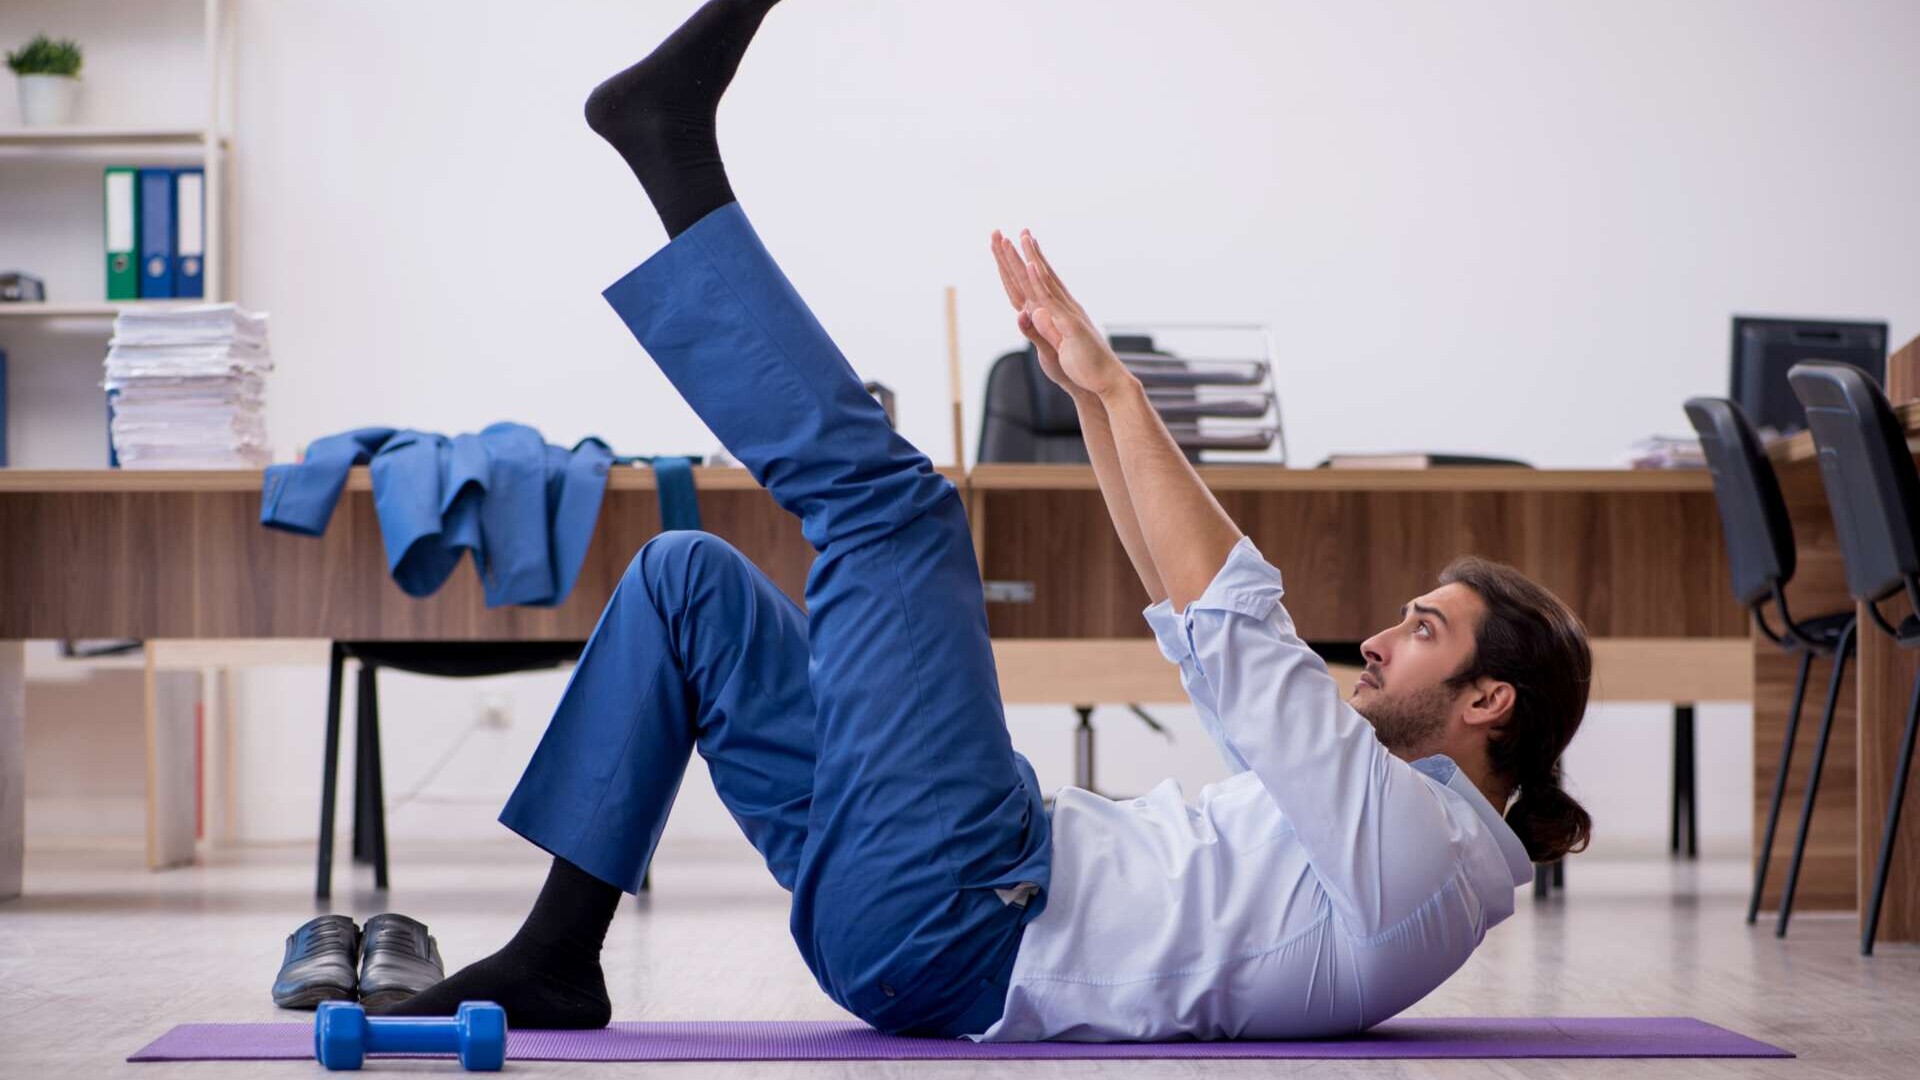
120, 553
1844, 841
180, 557
1637, 554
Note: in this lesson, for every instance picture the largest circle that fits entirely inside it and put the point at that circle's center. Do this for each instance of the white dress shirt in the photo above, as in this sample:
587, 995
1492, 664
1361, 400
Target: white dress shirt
1322, 888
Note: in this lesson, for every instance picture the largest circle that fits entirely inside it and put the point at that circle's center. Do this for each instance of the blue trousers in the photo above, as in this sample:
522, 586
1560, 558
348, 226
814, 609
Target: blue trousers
860, 745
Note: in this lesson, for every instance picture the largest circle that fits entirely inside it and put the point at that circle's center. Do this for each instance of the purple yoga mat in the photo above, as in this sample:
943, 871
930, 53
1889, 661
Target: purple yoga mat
1452, 1037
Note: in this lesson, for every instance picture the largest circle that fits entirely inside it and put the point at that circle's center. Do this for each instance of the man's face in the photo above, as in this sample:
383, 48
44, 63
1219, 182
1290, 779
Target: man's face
1404, 692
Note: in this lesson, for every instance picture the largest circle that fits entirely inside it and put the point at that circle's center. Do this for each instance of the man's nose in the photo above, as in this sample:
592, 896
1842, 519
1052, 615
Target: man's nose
1372, 650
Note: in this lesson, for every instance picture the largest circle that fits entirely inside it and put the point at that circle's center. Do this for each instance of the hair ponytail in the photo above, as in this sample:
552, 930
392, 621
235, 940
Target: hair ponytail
1531, 641
1548, 820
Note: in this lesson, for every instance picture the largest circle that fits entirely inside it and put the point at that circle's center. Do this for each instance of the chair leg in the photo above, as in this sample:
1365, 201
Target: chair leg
1683, 786
1673, 791
362, 814
1891, 827
329, 774
1840, 656
1542, 882
1560, 874
375, 801
1779, 787
1083, 749
1693, 787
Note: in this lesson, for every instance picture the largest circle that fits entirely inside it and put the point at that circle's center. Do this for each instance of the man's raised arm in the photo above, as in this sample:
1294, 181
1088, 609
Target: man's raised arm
1377, 837
1187, 534
1093, 421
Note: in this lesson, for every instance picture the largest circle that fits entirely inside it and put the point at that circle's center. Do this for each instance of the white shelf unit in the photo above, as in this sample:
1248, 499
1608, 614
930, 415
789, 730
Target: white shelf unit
206, 143
193, 140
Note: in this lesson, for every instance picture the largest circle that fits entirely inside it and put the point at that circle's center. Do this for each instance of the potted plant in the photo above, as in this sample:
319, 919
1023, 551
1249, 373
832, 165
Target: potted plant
49, 74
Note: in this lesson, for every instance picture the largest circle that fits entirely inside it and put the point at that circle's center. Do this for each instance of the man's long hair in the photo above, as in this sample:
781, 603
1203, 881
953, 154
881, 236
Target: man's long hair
1532, 641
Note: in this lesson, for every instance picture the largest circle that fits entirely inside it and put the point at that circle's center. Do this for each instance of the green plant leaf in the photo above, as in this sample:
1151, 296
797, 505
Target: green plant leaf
46, 56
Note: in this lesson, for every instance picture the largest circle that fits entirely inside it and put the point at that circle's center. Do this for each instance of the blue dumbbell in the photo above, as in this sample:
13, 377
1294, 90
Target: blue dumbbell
343, 1035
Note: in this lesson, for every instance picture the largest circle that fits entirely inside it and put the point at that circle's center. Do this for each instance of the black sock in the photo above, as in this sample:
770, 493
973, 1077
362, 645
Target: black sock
549, 975
660, 112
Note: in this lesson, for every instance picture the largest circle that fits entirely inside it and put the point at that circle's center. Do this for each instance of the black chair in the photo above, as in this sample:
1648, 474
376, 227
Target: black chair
1762, 558
1874, 493
1026, 418
1029, 421
447, 659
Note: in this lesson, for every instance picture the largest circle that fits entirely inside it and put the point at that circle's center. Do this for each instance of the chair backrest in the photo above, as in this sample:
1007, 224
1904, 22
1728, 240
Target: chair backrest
1027, 419
1753, 515
1868, 473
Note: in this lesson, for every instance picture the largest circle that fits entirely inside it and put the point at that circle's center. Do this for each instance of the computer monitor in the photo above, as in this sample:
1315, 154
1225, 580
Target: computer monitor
1763, 350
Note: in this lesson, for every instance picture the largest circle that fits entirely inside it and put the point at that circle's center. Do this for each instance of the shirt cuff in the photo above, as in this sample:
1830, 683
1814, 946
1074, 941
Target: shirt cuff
1168, 631
1247, 584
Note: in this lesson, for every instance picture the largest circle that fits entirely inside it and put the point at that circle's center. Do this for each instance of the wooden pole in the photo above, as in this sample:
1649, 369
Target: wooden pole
953, 378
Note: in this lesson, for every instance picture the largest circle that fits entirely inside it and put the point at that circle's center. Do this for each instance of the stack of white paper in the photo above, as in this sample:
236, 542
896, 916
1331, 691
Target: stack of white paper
1666, 452
188, 386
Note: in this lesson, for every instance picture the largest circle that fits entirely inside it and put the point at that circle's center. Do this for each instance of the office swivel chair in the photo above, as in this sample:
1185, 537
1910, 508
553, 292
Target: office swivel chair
1762, 558
1874, 494
447, 659
1026, 418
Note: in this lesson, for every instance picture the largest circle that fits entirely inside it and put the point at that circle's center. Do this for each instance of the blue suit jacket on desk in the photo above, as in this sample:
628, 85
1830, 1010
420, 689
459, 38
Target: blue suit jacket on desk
525, 509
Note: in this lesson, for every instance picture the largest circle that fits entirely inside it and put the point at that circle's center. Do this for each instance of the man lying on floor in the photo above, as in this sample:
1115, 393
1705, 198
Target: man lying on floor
1351, 864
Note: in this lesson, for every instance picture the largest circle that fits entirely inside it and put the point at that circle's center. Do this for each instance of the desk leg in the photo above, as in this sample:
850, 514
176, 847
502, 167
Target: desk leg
217, 758
13, 766
977, 525
172, 714
1886, 685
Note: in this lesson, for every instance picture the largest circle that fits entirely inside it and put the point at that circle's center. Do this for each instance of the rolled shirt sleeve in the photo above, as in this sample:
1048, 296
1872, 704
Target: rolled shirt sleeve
1169, 629
1273, 707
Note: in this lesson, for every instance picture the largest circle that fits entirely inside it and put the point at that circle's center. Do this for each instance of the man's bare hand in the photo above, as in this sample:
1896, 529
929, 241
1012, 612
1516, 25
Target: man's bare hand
1053, 320
1013, 277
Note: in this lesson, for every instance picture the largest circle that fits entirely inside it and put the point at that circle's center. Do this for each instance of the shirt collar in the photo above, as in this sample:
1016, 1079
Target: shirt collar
1445, 771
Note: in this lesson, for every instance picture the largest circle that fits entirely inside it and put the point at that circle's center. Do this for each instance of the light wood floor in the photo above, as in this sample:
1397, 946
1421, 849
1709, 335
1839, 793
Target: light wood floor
102, 956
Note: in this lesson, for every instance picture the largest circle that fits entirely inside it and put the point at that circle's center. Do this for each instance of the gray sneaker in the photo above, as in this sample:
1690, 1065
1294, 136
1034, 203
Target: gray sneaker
398, 960
318, 965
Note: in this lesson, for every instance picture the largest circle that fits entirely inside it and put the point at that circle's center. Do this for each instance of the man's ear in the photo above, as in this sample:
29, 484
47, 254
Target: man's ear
1491, 704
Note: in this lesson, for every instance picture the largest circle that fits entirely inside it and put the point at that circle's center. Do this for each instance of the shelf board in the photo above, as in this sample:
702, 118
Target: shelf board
82, 138
97, 309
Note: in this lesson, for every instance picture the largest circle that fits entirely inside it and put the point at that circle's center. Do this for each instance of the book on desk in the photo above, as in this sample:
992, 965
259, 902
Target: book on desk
1419, 460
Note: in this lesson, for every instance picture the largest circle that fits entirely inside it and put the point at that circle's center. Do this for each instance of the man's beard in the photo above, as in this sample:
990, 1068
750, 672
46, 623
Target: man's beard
1407, 724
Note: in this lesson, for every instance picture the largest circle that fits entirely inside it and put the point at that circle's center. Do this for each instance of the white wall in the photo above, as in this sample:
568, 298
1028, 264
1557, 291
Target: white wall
1512, 227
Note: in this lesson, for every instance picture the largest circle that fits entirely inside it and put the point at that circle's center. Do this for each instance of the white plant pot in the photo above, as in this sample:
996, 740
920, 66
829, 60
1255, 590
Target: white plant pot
48, 100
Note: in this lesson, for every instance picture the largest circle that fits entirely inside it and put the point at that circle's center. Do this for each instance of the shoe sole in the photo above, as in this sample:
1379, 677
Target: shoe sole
313, 996
381, 998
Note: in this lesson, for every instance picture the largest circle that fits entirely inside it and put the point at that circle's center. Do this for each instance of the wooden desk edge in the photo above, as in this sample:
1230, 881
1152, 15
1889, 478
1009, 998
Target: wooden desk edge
984, 478
1044, 671
140, 481
980, 478
1051, 671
